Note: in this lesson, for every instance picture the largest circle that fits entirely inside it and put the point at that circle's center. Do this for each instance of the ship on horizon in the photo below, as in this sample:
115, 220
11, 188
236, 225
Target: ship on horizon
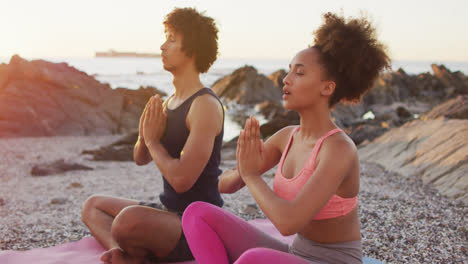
113, 53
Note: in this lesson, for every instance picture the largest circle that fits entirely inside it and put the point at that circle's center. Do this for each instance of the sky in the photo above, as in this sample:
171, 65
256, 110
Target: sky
430, 30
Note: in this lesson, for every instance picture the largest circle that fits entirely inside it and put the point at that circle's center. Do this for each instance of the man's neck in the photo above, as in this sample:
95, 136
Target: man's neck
186, 82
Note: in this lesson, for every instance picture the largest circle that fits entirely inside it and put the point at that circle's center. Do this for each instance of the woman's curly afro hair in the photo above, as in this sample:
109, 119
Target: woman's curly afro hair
200, 35
350, 54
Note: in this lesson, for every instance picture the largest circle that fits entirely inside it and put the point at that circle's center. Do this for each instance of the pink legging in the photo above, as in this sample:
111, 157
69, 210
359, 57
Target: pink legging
216, 236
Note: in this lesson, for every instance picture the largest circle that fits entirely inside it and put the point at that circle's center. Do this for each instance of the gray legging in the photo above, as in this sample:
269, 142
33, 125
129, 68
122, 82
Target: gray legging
217, 236
344, 252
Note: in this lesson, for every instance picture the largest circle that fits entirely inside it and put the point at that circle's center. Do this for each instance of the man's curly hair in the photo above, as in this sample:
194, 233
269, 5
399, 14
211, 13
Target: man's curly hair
200, 35
351, 55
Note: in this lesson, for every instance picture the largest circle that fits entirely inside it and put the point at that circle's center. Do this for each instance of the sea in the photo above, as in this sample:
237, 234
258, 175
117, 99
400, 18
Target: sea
133, 73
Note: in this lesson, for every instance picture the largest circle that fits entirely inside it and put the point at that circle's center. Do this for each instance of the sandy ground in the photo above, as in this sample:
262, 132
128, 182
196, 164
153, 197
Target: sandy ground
402, 221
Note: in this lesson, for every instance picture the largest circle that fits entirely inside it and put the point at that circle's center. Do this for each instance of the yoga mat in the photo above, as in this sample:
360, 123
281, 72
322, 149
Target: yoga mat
88, 250
85, 251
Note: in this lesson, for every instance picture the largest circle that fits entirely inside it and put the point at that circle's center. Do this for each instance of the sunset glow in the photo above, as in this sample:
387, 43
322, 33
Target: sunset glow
413, 30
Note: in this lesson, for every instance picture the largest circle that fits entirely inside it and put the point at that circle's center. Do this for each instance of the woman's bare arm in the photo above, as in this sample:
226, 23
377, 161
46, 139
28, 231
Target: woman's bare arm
230, 181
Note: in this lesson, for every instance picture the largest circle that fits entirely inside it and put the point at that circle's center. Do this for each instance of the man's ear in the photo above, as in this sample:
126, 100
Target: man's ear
328, 88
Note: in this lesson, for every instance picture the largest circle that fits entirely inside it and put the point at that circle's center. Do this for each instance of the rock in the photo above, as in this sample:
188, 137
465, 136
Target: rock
56, 167
270, 109
58, 201
2, 202
456, 108
120, 150
403, 113
434, 150
278, 117
246, 86
112, 153
75, 185
365, 132
134, 101
46, 99
455, 82
397, 97
231, 144
4, 75
388, 88
269, 128
277, 78
395, 114
345, 115
129, 139
273, 109
434, 88
40, 98
239, 113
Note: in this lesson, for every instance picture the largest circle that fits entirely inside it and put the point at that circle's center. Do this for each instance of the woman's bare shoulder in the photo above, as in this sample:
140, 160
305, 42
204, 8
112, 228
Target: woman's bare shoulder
280, 139
340, 143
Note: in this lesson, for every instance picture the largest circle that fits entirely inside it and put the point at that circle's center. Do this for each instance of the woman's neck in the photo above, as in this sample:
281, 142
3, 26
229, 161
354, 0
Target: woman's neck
315, 122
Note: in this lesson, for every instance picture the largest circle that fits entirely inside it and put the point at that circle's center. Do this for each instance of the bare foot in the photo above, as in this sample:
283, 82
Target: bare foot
118, 256
106, 257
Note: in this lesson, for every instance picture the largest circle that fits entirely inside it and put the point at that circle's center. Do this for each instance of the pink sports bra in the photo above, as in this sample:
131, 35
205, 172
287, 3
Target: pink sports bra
288, 188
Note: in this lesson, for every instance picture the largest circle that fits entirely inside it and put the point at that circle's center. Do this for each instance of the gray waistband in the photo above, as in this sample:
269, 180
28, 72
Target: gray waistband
343, 252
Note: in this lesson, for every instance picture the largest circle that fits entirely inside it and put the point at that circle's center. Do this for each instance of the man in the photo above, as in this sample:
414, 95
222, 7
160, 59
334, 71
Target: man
183, 136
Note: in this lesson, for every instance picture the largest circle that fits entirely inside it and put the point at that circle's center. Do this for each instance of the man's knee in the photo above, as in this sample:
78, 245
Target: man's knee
125, 223
88, 206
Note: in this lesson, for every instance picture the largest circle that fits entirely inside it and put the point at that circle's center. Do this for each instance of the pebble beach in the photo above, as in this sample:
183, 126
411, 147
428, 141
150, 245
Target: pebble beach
402, 220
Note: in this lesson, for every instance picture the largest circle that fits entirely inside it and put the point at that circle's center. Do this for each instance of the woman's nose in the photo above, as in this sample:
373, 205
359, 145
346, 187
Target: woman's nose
286, 80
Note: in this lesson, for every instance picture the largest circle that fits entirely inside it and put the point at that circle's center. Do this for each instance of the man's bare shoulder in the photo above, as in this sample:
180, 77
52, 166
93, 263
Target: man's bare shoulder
207, 111
207, 102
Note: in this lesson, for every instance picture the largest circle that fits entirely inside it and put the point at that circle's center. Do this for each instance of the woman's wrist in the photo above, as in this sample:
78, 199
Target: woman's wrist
151, 143
141, 141
251, 179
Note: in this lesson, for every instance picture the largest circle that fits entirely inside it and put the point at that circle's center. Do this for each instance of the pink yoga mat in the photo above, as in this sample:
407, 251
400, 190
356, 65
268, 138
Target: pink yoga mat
88, 250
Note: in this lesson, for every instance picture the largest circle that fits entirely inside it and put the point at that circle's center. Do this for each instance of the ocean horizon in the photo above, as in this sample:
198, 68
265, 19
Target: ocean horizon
133, 73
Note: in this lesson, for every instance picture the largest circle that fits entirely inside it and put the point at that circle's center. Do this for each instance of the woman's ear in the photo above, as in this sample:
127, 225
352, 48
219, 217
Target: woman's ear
328, 88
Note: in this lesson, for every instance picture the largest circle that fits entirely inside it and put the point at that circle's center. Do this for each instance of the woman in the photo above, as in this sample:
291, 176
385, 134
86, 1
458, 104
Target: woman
317, 180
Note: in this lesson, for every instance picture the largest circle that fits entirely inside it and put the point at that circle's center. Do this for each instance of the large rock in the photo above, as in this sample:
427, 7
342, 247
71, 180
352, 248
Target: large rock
120, 150
277, 116
345, 115
456, 108
395, 99
277, 78
247, 86
435, 150
278, 122
454, 82
429, 88
365, 132
388, 88
134, 101
40, 98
